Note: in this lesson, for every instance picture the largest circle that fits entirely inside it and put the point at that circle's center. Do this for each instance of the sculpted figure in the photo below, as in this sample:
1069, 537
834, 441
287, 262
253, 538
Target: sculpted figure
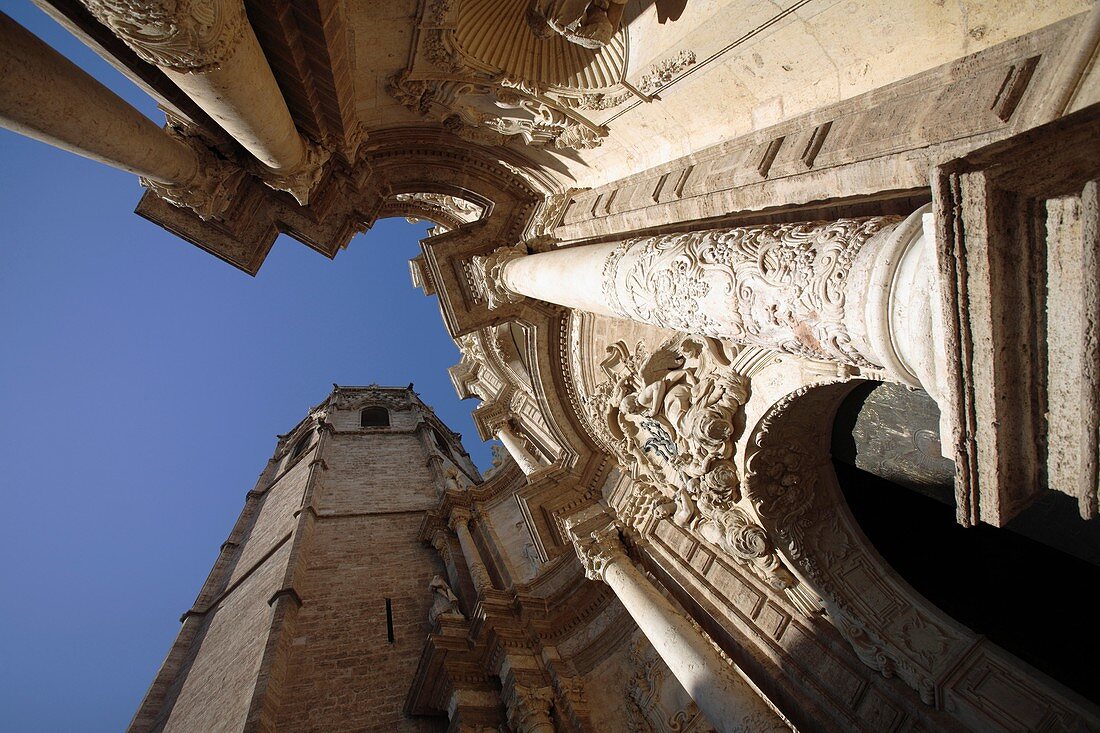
588, 23
445, 603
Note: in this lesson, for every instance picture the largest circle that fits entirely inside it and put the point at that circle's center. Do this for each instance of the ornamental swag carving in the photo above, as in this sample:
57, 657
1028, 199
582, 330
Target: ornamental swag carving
672, 418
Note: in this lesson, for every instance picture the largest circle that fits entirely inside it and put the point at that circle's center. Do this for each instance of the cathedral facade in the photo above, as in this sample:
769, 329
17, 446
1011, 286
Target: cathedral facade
785, 315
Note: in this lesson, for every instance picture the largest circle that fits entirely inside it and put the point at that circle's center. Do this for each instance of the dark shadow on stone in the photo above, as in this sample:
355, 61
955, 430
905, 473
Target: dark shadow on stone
1030, 599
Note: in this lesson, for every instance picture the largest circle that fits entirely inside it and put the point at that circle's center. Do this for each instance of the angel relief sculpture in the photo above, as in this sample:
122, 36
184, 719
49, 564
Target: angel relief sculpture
673, 419
587, 23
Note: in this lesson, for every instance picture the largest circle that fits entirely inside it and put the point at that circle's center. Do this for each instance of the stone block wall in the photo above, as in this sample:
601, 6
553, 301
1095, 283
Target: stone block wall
290, 632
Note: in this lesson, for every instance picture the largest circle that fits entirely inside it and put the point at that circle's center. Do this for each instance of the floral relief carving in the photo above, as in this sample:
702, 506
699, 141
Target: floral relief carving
488, 272
597, 102
672, 419
188, 36
651, 690
778, 284
663, 72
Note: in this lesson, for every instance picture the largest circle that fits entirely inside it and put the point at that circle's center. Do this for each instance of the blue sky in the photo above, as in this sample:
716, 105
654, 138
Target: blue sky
142, 382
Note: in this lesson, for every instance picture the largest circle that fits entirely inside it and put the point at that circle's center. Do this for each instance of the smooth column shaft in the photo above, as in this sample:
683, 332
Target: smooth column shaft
728, 702
527, 463
45, 96
244, 99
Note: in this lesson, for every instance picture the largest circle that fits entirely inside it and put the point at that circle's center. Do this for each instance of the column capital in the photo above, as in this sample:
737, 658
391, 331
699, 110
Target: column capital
187, 36
460, 517
442, 544
598, 549
529, 708
300, 181
489, 274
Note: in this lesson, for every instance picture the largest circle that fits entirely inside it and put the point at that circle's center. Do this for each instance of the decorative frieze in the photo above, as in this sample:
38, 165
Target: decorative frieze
780, 286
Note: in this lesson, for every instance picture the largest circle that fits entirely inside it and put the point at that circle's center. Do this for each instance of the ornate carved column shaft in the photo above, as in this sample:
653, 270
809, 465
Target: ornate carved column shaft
209, 50
512, 442
853, 291
460, 524
728, 702
47, 97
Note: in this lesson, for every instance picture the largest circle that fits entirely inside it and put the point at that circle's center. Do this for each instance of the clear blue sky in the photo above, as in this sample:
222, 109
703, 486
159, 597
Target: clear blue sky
142, 382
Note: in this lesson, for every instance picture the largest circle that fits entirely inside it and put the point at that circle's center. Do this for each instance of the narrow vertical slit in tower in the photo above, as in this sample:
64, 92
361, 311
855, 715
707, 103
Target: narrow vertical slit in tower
389, 620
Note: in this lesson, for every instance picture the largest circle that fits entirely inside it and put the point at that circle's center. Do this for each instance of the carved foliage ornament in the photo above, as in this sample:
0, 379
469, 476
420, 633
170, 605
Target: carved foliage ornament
301, 181
494, 111
187, 36
488, 274
779, 286
210, 193
599, 549
672, 419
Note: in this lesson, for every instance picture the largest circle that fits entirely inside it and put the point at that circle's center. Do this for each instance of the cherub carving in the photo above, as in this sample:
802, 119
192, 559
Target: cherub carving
587, 23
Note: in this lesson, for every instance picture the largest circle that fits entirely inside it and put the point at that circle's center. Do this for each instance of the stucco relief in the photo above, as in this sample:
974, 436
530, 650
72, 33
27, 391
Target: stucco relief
672, 419
189, 36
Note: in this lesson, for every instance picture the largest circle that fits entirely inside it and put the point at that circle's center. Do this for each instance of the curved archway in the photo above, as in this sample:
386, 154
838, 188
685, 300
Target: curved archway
791, 482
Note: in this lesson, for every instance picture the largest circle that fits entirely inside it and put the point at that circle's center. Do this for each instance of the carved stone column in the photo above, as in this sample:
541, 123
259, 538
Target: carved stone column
48, 98
515, 445
209, 50
728, 702
853, 291
460, 525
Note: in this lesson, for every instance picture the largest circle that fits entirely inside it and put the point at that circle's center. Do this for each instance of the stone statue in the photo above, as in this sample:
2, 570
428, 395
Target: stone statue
445, 603
587, 23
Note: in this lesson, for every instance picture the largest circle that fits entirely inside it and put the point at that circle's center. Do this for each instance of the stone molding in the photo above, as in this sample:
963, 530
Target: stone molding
790, 482
186, 36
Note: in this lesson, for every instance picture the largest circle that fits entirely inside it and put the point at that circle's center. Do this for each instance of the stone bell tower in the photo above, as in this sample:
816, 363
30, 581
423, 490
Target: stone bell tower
315, 612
